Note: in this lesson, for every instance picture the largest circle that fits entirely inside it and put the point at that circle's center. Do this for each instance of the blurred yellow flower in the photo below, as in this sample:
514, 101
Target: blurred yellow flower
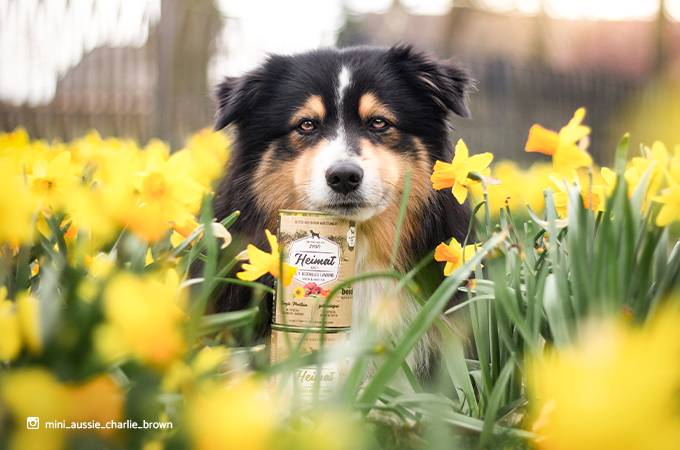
10, 333
454, 255
100, 265
15, 140
165, 186
233, 417
28, 311
209, 151
563, 145
52, 179
561, 198
674, 166
183, 232
142, 320
670, 198
35, 392
604, 394
338, 429
455, 174
209, 360
17, 207
20, 325
262, 262
656, 156
121, 200
519, 188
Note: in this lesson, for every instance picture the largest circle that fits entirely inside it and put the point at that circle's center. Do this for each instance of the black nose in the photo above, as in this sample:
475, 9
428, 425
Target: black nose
344, 177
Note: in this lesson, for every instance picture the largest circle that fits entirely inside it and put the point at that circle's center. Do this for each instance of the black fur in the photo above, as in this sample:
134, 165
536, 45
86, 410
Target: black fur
421, 91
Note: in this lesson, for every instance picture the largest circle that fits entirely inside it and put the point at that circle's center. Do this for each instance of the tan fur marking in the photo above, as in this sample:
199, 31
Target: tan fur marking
281, 185
380, 229
370, 106
312, 109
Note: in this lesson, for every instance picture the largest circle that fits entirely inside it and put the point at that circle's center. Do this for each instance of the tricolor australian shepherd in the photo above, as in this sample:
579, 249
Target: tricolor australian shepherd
335, 131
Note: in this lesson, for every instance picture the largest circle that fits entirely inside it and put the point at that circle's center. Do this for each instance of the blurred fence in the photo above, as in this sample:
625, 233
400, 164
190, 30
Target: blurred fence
161, 90
157, 90
510, 99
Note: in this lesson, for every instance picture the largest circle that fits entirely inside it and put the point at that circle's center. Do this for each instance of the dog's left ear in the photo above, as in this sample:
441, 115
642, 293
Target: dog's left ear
445, 81
235, 97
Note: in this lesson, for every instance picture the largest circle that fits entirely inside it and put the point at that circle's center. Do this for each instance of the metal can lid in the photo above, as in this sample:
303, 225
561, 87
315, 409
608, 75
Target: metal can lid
300, 212
316, 330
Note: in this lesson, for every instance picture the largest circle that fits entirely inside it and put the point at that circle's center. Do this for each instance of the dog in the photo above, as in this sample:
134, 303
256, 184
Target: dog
314, 235
335, 131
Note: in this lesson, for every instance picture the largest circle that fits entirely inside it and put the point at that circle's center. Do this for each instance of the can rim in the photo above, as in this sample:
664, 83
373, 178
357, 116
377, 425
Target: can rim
309, 213
296, 329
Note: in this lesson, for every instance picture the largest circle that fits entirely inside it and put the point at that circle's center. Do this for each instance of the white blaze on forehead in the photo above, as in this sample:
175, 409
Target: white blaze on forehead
339, 143
344, 79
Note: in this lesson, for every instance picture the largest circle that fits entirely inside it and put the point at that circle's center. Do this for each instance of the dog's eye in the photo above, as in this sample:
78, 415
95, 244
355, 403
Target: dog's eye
378, 123
306, 125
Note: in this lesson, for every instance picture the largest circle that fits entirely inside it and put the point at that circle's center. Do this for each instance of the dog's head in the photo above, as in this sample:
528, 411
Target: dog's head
335, 130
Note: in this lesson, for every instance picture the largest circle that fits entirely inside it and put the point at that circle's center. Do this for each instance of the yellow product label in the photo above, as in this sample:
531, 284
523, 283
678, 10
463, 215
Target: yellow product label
322, 248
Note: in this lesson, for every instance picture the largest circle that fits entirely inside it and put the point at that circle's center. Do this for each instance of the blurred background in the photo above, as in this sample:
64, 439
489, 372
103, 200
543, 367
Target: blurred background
146, 68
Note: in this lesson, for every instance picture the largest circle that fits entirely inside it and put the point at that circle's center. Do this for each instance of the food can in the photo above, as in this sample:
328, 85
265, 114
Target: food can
322, 247
301, 381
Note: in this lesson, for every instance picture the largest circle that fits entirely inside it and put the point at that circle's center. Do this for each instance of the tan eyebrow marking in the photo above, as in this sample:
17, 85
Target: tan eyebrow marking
312, 109
370, 106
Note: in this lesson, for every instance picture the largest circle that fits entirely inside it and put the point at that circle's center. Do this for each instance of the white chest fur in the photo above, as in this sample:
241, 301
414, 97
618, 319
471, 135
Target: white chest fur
379, 307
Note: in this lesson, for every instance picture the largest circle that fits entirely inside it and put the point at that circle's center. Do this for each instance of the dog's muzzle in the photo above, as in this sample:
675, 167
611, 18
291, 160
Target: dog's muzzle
344, 177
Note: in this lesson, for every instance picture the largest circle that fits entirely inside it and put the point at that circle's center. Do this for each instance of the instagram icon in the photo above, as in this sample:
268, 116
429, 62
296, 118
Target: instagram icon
33, 423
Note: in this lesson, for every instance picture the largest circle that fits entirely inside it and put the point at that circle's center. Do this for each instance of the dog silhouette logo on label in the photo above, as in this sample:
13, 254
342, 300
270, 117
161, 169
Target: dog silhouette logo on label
317, 260
351, 235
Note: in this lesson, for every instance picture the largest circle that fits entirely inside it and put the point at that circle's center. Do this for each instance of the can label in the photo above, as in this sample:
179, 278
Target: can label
301, 382
322, 248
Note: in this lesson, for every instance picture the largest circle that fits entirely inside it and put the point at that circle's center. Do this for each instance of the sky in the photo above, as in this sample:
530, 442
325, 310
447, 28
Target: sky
40, 40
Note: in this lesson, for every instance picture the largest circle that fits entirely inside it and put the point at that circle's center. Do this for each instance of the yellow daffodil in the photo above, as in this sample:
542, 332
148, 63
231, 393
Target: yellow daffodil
670, 198
183, 232
657, 156
17, 206
10, 332
609, 177
561, 197
142, 320
520, 187
19, 325
100, 265
209, 151
167, 184
189, 227
52, 179
454, 255
563, 145
34, 392
209, 359
262, 262
338, 429
455, 175
235, 417
602, 393
28, 312
167, 195
674, 166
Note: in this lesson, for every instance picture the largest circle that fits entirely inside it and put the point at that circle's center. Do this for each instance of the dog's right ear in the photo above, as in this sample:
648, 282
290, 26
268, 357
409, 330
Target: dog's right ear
235, 96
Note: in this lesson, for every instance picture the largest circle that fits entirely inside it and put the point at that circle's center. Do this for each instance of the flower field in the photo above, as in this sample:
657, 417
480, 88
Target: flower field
573, 312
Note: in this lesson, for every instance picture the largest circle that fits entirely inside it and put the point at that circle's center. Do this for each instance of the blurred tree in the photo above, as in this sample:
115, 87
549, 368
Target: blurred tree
186, 33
